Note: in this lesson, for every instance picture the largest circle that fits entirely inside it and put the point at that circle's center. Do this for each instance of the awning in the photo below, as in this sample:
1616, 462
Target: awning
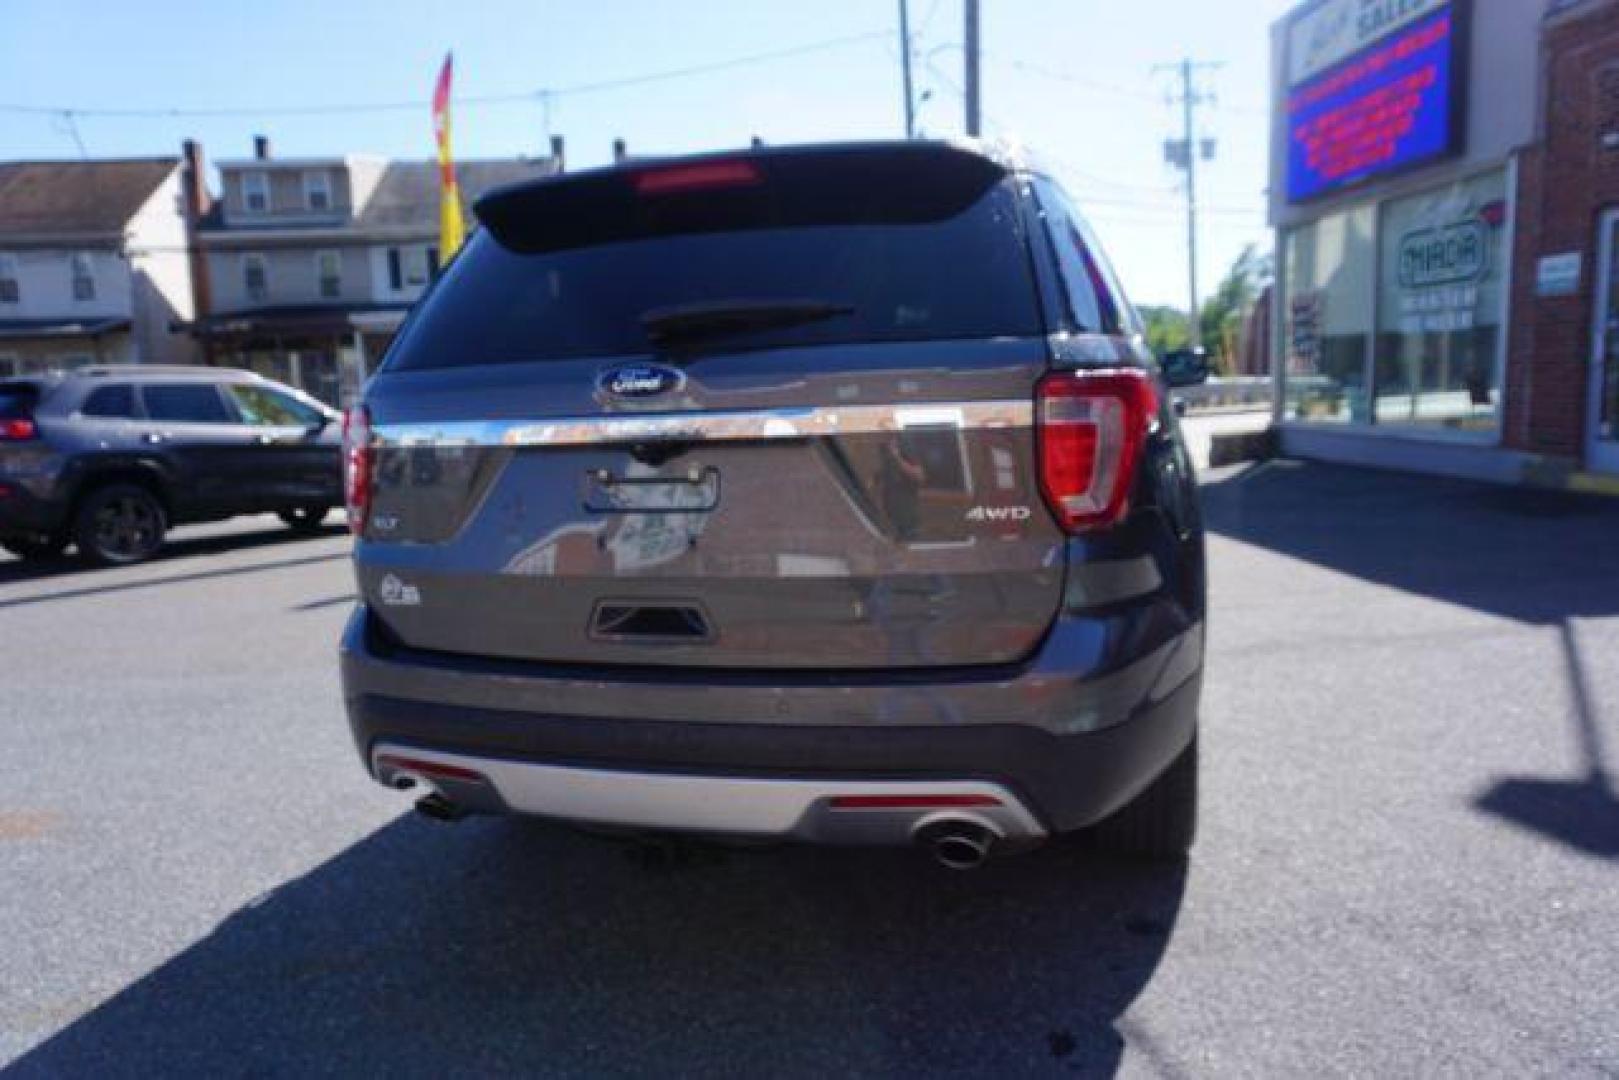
18, 329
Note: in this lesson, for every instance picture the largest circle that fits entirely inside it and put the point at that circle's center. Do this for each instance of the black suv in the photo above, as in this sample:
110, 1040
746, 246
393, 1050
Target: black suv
108, 458
823, 493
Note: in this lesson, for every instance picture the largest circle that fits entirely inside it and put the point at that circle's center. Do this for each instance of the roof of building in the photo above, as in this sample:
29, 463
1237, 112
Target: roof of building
77, 197
406, 198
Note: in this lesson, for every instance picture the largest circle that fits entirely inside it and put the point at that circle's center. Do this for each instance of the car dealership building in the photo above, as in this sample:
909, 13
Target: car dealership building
1445, 191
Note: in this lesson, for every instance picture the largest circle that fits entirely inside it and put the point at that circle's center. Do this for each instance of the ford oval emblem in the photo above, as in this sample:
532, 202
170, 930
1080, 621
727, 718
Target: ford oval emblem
639, 380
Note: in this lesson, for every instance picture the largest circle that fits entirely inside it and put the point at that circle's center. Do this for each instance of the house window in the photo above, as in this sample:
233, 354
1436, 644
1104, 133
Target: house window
417, 270
256, 192
318, 190
432, 262
255, 277
396, 272
10, 291
84, 277
329, 272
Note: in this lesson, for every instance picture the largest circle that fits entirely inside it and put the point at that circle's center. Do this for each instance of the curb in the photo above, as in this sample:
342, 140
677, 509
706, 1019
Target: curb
1554, 475
1232, 447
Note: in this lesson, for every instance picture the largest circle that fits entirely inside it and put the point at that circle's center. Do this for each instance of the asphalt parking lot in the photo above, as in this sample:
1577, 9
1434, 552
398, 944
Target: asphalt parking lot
1409, 861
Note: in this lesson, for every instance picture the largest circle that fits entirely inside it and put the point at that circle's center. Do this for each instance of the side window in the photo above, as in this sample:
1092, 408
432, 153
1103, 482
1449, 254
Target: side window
82, 270
1091, 306
186, 403
270, 408
255, 277
116, 401
329, 274
10, 288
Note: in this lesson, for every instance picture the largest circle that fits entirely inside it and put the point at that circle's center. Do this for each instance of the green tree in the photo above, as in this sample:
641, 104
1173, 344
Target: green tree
1223, 312
1166, 327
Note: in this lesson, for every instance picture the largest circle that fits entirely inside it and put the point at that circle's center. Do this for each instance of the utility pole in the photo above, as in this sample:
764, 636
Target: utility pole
1183, 153
905, 67
970, 59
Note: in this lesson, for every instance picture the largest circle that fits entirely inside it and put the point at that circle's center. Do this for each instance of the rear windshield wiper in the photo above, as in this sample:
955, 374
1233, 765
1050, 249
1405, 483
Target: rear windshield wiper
717, 318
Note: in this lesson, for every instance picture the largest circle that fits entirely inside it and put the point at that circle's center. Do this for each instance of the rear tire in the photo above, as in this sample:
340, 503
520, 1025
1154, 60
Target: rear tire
1161, 823
36, 550
120, 524
304, 519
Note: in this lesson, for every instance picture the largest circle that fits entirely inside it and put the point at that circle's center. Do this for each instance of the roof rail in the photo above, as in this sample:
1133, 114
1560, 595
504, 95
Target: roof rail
144, 369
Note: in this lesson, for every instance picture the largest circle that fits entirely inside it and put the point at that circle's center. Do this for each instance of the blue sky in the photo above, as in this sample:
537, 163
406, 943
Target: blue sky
1072, 78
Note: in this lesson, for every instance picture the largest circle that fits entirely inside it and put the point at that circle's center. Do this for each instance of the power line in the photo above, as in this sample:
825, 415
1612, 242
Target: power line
540, 94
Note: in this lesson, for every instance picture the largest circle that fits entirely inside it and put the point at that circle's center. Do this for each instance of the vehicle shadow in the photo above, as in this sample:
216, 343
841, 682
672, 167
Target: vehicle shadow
511, 947
1522, 554
19, 570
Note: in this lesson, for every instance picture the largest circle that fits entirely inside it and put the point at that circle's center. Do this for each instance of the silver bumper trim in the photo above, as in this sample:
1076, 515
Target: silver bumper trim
751, 425
796, 809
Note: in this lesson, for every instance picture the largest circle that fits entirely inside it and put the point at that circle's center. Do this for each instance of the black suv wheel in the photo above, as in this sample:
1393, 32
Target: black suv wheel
1162, 821
120, 524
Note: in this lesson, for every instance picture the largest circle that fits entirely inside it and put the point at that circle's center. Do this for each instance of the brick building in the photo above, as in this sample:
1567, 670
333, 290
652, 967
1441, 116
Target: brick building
1563, 366
1442, 175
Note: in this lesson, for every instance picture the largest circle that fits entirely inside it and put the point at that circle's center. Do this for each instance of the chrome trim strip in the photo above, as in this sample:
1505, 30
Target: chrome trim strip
728, 805
754, 425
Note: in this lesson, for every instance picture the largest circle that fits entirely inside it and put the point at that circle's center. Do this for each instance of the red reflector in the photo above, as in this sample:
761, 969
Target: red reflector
706, 174
429, 768
18, 429
910, 802
1092, 427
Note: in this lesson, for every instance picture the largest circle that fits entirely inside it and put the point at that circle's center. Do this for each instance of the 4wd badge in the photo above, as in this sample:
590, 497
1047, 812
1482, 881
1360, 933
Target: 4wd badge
999, 513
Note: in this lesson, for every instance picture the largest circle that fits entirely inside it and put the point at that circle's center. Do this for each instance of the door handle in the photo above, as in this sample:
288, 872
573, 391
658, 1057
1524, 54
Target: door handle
155, 437
266, 440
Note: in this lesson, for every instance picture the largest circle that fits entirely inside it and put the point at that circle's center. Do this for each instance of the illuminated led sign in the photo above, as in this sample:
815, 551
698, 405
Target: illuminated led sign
1374, 87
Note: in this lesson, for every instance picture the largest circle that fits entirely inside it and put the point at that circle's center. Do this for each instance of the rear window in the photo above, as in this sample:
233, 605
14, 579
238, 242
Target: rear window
186, 403
940, 254
117, 400
17, 400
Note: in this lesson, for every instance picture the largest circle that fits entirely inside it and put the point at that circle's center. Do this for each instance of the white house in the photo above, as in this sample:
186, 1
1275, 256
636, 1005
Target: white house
313, 261
94, 264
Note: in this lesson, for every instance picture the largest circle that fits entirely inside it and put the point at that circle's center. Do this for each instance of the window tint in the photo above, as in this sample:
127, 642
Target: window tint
189, 403
17, 401
271, 408
1093, 304
964, 275
117, 400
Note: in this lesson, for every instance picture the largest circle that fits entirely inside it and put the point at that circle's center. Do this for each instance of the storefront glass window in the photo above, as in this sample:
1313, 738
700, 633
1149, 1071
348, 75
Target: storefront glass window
1327, 313
1440, 283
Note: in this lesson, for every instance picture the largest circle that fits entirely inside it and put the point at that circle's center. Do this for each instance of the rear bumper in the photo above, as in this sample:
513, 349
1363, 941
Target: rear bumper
1067, 749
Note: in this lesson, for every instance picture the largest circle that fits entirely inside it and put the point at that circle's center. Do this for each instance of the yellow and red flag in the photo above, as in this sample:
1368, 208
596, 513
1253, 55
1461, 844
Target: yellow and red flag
451, 229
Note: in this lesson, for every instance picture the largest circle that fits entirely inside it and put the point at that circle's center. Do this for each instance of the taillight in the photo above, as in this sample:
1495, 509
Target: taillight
359, 460
18, 429
1091, 427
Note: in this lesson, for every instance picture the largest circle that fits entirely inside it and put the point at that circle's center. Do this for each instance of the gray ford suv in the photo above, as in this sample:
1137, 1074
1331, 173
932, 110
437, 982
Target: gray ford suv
816, 493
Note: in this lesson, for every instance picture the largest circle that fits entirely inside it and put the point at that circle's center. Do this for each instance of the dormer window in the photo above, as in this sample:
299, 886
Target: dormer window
256, 192
84, 276
318, 190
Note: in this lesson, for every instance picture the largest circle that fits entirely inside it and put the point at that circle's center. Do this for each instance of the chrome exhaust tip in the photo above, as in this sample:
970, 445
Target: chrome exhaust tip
958, 843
